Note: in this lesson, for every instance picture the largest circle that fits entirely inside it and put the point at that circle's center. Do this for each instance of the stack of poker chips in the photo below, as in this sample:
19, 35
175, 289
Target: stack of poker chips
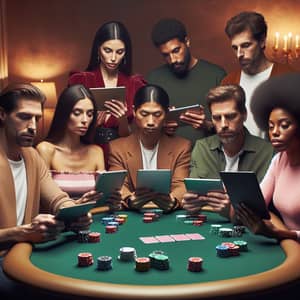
127, 254
238, 230
122, 216
111, 229
83, 236
142, 264
234, 250
159, 260
214, 229
242, 244
150, 217
195, 264
120, 220
94, 237
104, 263
222, 251
106, 220
85, 259
225, 232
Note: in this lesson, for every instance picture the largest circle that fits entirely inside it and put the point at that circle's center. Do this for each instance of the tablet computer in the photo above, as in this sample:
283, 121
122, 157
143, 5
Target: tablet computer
158, 180
202, 186
104, 94
243, 187
108, 182
174, 113
74, 212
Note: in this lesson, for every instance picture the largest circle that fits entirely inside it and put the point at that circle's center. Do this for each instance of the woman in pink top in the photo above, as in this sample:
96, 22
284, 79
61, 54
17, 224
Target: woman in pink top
276, 108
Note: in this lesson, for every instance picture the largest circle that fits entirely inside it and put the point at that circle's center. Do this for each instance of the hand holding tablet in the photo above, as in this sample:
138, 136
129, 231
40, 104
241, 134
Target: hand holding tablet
202, 186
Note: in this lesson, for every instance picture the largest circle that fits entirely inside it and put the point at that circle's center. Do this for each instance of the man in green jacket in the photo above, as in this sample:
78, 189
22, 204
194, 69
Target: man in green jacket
232, 148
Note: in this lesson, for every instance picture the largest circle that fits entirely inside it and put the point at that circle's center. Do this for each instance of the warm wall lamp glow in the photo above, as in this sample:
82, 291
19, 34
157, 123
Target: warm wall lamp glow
49, 89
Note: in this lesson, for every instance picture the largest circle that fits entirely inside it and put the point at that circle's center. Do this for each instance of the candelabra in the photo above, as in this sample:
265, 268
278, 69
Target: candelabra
286, 48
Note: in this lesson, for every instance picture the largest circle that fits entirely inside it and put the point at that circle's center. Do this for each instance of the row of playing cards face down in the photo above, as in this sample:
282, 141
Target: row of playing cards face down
171, 238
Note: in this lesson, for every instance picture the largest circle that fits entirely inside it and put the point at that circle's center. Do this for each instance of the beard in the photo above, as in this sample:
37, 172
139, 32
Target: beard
181, 69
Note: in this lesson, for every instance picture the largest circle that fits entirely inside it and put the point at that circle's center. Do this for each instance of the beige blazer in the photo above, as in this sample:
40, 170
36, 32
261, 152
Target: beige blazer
174, 153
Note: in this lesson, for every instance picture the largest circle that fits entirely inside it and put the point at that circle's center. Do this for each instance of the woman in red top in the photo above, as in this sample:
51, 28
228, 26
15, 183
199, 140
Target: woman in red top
110, 66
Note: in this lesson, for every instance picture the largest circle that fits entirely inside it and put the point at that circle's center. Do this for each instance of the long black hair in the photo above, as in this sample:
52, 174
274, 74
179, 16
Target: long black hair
111, 31
66, 101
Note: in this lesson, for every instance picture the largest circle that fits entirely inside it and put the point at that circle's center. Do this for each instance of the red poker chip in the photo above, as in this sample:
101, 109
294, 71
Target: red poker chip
147, 219
142, 260
195, 259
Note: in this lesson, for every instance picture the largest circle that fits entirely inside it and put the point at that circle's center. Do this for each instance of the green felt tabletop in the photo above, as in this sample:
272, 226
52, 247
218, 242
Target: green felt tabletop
60, 256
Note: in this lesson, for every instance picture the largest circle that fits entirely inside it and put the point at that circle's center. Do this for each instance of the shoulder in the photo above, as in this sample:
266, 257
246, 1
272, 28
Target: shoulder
88, 79
161, 70
232, 77
45, 148
211, 66
95, 149
120, 142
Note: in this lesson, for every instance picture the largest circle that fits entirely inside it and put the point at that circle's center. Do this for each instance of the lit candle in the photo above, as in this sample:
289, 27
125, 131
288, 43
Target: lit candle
276, 41
285, 42
289, 43
297, 42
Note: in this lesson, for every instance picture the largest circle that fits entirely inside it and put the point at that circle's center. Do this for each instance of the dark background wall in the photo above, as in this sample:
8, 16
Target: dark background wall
47, 39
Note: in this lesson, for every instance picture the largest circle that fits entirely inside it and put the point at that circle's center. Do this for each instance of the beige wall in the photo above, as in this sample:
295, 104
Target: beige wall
47, 39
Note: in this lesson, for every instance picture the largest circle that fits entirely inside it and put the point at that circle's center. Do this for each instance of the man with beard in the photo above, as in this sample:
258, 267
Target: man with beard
185, 78
25, 181
232, 148
149, 148
247, 32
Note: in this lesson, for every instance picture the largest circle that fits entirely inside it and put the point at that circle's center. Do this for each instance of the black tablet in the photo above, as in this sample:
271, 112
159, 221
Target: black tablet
104, 94
243, 186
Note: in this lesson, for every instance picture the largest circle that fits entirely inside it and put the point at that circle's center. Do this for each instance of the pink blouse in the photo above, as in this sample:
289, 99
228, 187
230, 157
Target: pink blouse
282, 183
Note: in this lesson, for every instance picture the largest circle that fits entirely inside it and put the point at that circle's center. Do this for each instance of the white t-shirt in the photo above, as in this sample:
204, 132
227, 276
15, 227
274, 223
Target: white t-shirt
19, 174
149, 157
249, 83
232, 162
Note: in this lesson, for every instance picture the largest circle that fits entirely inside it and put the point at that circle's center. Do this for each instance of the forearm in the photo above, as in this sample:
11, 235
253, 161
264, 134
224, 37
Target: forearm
282, 234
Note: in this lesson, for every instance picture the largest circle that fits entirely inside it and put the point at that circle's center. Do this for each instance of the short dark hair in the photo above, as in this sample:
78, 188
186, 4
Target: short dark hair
251, 20
151, 92
16, 91
66, 101
227, 92
166, 30
282, 91
112, 30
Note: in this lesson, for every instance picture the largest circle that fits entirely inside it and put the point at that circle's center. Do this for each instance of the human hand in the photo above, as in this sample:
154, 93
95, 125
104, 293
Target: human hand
89, 197
194, 117
43, 228
114, 201
219, 202
255, 223
81, 223
140, 198
170, 127
166, 202
193, 202
116, 108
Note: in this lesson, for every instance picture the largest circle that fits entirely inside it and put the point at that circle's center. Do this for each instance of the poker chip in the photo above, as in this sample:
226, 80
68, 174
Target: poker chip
242, 244
104, 263
113, 223
106, 220
120, 220
123, 216
142, 264
94, 237
127, 254
214, 229
195, 264
188, 222
238, 230
180, 217
222, 251
234, 250
147, 219
202, 217
159, 260
83, 236
225, 232
110, 229
85, 259
197, 222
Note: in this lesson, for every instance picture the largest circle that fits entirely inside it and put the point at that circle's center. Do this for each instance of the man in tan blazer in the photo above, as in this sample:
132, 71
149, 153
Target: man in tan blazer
25, 180
149, 148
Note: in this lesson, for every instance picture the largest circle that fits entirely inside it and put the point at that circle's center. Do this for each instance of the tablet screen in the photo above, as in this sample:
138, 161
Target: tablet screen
243, 187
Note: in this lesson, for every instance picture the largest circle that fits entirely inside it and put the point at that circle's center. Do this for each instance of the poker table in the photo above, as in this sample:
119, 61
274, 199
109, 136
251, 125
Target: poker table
266, 268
